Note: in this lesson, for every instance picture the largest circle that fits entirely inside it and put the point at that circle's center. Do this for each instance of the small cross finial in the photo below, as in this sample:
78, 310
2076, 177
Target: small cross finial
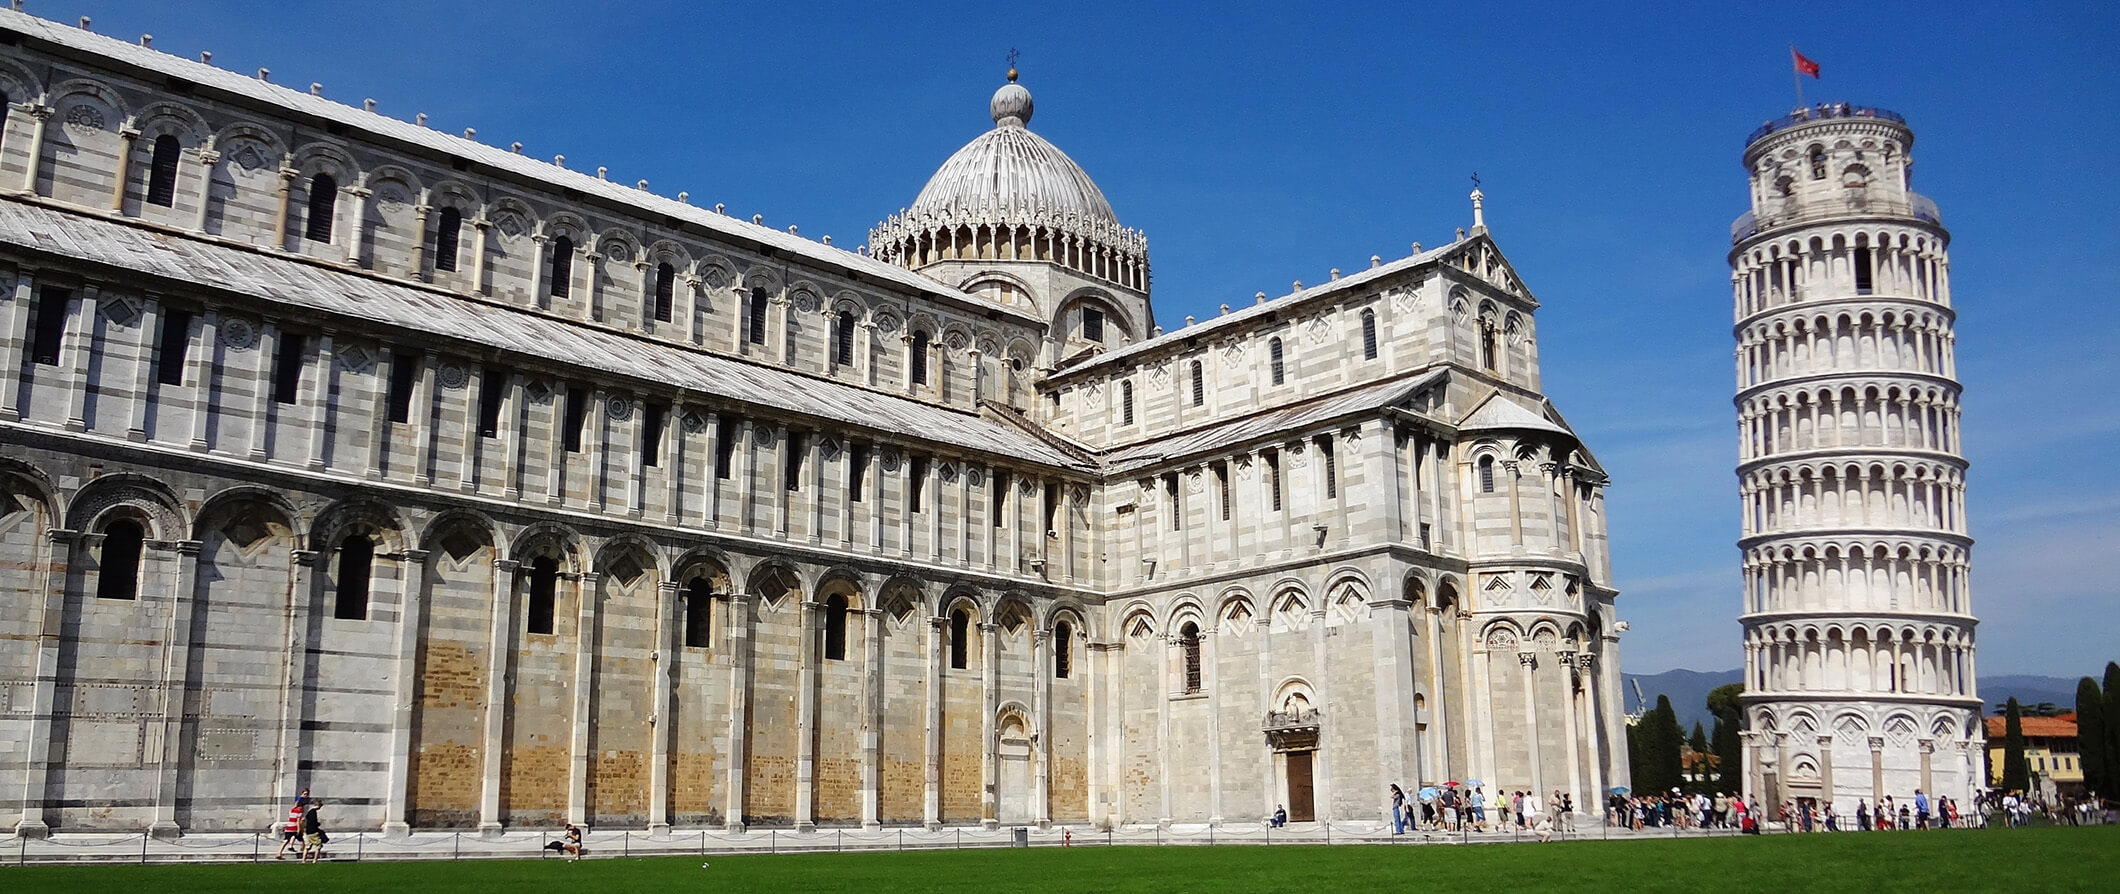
1012, 55
1475, 180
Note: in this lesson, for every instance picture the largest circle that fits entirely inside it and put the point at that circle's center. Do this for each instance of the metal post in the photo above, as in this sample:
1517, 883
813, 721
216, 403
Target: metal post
360, 846
702, 842
625, 844
774, 844
257, 847
841, 839
143, 848
456, 847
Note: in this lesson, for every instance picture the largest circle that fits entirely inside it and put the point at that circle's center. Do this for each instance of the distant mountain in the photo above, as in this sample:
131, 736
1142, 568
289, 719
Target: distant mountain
1689, 690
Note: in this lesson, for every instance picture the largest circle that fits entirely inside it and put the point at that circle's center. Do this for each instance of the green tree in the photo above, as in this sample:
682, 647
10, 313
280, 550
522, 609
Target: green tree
1663, 744
2016, 771
2090, 736
2112, 728
1724, 702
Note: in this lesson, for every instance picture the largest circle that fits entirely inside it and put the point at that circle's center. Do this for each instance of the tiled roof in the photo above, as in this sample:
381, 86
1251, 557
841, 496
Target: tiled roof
647, 204
317, 288
2062, 727
1284, 420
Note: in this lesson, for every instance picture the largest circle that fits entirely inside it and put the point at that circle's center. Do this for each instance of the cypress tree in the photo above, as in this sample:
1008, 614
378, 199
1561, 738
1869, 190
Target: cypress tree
2112, 727
1699, 743
2090, 736
2016, 771
1723, 702
1669, 736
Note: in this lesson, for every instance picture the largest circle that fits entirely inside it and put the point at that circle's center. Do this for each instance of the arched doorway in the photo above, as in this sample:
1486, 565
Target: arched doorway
1012, 753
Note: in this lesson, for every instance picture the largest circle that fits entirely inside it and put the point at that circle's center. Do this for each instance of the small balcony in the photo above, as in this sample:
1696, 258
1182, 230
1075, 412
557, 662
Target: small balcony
1794, 210
1821, 112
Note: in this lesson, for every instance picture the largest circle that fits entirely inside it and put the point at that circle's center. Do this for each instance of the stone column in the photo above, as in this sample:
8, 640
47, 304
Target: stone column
1042, 733
1927, 748
739, 621
58, 559
283, 197
810, 616
354, 220
176, 663
207, 158
989, 737
538, 296
514, 407
1439, 699
1093, 654
1397, 746
872, 722
1753, 784
202, 375
932, 796
1586, 661
746, 484
1479, 736
14, 341
499, 651
592, 297
127, 135
588, 591
674, 460
420, 210
1529, 660
423, 398
479, 226
405, 690
40, 116
321, 380
1515, 481
1565, 659
301, 595
74, 353
667, 644
1825, 768
597, 418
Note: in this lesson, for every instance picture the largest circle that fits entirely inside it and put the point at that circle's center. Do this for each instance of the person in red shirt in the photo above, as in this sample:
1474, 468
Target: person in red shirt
291, 830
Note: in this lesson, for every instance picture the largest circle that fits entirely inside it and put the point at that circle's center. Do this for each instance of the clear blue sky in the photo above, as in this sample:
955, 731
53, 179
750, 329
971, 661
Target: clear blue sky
1258, 144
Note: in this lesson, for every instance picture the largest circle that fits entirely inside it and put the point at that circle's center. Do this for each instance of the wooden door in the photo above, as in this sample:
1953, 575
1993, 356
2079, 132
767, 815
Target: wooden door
1299, 797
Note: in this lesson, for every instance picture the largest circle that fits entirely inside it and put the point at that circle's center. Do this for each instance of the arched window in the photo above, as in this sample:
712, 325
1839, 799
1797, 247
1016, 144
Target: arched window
755, 317
1189, 648
445, 239
544, 594
835, 628
1369, 335
919, 358
1092, 324
323, 203
843, 339
1126, 403
1063, 649
1818, 162
118, 565
960, 639
1273, 351
1199, 384
356, 559
665, 290
162, 171
562, 266
699, 613
1486, 474
1487, 347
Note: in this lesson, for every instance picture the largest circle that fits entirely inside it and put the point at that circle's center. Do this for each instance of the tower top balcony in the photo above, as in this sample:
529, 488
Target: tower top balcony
1824, 111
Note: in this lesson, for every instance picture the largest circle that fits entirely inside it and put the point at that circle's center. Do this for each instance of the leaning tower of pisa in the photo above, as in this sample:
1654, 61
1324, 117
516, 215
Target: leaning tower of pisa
1858, 620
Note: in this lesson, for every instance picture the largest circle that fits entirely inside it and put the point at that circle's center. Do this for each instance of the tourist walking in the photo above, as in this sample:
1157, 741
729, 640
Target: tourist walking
291, 828
313, 837
1398, 810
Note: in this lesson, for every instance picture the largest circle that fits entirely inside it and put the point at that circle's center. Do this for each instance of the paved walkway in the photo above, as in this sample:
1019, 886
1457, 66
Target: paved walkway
229, 847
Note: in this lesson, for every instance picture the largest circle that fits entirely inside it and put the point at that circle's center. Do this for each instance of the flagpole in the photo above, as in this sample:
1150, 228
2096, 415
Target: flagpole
1795, 76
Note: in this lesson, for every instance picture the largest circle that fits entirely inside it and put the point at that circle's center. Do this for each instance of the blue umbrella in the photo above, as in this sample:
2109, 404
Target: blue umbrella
1620, 790
1429, 793
1474, 783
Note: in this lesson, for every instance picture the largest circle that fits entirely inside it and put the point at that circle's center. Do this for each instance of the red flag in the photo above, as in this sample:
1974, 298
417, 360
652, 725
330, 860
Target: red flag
1804, 64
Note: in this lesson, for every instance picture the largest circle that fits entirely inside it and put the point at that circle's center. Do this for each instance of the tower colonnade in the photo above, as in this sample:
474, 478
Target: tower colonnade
1858, 625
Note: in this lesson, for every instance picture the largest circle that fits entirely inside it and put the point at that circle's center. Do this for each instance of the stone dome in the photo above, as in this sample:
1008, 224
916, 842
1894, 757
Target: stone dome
1011, 168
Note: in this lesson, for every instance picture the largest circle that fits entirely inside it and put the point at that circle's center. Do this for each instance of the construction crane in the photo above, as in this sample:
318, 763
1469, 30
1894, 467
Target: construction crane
1641, 704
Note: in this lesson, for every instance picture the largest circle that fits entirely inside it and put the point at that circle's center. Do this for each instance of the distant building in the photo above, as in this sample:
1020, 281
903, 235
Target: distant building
2049, 749
1858, 618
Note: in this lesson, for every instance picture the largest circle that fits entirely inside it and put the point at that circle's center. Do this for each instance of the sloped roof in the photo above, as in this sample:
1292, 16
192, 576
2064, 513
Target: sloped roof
2062, 727
1499, 413
315, 287
1281, 420
647, 204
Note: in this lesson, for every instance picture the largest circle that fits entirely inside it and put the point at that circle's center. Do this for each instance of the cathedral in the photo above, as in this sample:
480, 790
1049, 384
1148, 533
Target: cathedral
473, 492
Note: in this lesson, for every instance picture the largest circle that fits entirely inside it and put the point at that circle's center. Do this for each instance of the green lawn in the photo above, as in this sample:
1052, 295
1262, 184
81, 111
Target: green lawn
2046, 859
